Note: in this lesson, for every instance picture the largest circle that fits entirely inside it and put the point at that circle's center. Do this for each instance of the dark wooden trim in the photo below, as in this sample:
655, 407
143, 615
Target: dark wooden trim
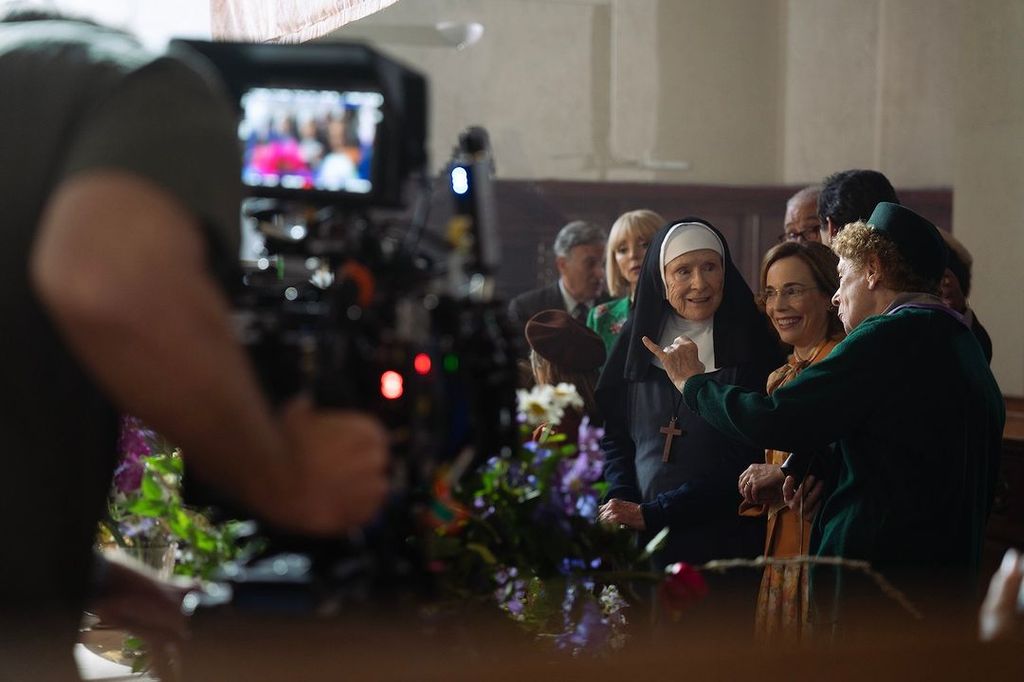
1014, 419
1006, 525
530, 212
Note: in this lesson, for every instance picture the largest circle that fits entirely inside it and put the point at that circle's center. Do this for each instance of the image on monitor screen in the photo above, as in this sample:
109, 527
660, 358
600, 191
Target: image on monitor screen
309, 140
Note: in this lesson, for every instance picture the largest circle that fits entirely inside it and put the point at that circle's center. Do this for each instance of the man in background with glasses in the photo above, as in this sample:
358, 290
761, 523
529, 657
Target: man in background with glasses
801, 222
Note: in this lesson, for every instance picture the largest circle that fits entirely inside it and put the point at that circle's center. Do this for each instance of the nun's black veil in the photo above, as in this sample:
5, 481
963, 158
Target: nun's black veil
741, 332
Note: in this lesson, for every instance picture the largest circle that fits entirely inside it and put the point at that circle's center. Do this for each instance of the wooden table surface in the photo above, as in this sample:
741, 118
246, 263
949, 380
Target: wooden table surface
237, 647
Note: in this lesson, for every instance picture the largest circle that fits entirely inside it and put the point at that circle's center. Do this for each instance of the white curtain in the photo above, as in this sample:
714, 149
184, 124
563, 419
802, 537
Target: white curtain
285, 21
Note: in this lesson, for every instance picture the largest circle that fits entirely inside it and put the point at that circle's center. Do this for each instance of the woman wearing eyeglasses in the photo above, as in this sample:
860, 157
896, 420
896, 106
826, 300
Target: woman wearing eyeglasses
917, 419
797, 283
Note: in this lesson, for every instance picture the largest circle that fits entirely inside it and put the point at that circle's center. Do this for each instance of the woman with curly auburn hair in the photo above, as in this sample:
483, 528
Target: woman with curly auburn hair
916, 416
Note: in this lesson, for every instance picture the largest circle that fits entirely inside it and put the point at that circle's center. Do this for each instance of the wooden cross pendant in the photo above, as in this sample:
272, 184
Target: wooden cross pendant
670, 432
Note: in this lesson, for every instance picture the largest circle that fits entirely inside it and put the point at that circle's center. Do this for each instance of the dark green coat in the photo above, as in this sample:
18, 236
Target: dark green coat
918, 419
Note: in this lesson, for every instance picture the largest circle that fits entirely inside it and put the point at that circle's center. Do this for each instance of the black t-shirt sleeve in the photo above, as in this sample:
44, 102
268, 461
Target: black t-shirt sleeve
167, 123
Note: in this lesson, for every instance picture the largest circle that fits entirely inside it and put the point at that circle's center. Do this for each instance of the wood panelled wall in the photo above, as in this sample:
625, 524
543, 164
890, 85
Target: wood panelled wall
530, 213
1006, 525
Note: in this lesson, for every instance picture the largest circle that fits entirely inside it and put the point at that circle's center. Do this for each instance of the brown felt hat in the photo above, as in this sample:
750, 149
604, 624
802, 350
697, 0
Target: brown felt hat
558, 338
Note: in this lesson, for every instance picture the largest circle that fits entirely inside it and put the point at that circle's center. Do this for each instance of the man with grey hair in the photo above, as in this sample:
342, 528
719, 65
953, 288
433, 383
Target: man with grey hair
579, 257
801, 222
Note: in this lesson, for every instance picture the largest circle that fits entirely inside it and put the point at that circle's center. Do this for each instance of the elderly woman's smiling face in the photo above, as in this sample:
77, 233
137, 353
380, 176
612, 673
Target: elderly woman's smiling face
695, 282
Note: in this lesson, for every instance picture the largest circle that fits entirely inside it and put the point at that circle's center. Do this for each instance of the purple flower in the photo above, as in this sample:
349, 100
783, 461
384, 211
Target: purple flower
590, 631
575, 491
142, 527
134, 440
540, 455
517, 474
511, 592
589, 438
128, 474
587, 506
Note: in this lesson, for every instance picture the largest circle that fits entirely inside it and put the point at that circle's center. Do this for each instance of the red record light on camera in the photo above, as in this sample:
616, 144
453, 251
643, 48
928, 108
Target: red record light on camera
392, 385
421, 363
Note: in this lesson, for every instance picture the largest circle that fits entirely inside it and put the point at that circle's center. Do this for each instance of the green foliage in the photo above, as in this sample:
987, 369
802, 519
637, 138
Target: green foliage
154, 514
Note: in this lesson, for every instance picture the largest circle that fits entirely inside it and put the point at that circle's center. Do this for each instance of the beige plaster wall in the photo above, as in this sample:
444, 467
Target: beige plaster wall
742, 91
831, 75
754, 92
607, 89
720, 72
870, 84
529, 81
988, 178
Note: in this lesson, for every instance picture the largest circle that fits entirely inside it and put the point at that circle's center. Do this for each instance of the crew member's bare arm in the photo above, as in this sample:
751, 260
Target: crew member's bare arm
121, 266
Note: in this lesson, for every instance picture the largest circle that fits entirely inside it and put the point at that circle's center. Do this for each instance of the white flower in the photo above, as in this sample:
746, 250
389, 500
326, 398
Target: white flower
539, 406
565, 395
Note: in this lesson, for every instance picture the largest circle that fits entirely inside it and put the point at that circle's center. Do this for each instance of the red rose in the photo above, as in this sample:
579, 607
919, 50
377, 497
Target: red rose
683, 585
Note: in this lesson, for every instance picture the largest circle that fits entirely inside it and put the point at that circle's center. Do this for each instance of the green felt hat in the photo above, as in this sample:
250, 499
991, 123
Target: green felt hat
916, 239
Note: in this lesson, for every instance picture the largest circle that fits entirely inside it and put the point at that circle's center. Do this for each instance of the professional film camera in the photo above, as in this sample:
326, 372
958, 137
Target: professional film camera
350, 296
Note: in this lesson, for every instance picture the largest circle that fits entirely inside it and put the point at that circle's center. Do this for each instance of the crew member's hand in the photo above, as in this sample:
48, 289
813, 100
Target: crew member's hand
1002, 613
132, 598
339, 469
761, 484
679, 359
617, 512
809, 492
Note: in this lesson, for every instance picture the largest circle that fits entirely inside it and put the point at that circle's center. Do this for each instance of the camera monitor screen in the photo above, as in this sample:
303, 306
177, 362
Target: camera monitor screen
309, 140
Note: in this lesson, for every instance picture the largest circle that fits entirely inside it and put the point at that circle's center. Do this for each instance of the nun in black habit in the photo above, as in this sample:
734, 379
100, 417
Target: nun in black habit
665, 465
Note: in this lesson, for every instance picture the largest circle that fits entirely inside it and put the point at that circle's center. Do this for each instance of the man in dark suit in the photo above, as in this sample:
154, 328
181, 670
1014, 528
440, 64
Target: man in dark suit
580, 258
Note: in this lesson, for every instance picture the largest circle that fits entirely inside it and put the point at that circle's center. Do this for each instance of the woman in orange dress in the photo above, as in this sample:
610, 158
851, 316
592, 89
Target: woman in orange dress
797, 283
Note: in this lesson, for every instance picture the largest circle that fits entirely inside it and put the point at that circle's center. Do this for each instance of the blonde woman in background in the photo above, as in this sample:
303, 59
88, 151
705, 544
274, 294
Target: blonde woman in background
627, 244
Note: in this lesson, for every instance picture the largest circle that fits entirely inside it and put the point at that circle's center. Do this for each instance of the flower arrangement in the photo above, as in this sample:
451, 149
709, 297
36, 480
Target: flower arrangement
145, 510
524, 533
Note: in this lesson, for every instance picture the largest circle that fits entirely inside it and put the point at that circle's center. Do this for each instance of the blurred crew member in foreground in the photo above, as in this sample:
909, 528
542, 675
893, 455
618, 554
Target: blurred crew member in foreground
121, 230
